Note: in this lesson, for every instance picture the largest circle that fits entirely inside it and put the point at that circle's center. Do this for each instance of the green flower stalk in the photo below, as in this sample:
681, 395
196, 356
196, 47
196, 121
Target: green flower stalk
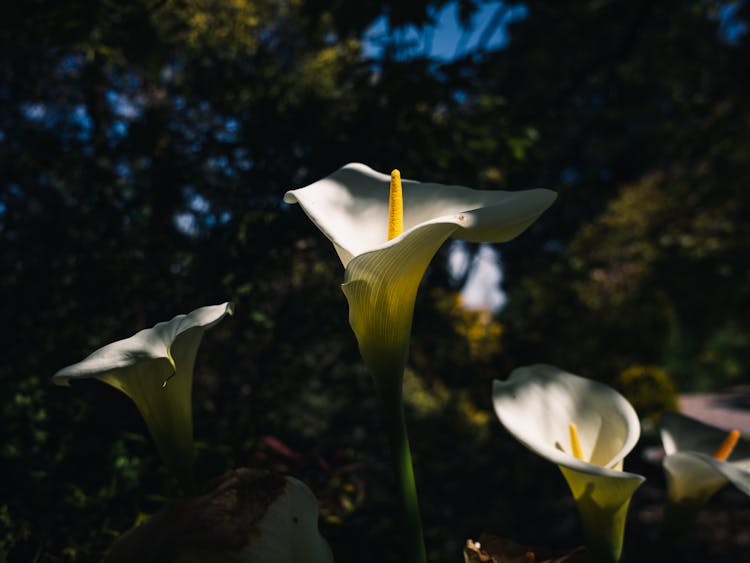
586, 428
154, 367
386, 232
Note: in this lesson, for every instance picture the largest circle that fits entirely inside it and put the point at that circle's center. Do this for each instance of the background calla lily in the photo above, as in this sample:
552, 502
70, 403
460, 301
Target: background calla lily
538, 403
350, 207
693, 473
154, 367
355, 209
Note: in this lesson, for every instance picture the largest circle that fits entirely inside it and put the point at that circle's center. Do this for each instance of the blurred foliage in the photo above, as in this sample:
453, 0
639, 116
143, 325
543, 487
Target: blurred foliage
650, 390
145, 148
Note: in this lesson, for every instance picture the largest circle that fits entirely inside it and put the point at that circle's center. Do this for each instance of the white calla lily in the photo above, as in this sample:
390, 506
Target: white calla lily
538, 405
693, 469
351, 208
245, 516
289, 530
154, 367
386, 237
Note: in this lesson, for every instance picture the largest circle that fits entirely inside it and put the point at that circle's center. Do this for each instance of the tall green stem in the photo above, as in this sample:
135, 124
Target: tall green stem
391, 404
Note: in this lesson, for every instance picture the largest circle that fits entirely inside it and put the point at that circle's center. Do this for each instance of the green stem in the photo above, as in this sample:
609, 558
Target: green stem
393, 412
178, 458
677, 521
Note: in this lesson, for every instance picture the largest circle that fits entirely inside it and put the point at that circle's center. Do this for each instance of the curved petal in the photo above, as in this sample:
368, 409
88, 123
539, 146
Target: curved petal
693, 473
602, 501
381, 288
163, 396
350, 207
148, 344
288, 533
736, 473
683, 433
691, 478
154, 368
537, 403
245, 516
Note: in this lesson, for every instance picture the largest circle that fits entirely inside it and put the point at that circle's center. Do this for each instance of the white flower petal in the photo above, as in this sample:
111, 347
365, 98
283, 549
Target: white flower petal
693, 474
148, 344
154, 368
603, 499
245, 516
690, 479
381, 288
683, 433
288, 533
537, 403
351, 208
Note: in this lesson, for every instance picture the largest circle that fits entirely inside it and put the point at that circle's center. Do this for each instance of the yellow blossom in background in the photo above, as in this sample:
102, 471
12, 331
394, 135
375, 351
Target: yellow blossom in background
649, 389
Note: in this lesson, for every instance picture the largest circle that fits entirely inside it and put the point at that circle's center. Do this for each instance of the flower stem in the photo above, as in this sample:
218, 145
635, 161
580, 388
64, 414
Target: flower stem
178, 459
677, 521
393, 412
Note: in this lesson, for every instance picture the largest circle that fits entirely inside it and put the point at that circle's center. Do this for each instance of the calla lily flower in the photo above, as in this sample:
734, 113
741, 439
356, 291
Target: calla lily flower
351, 208
587, 429
386, 232
154, 367
245, 516
700, 460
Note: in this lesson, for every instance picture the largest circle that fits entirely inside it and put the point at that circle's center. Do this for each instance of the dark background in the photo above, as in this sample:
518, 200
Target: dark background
145, 147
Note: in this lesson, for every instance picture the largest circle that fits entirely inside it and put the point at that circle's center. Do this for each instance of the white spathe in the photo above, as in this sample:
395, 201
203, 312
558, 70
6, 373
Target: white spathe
154, 367
693, 474
243, 516
289, 530
536, 404
350, 207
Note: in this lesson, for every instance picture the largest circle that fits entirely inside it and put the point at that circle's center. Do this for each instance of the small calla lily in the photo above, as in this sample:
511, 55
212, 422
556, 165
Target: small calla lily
587, 429
700, 460
154, 367
386, 232
245, 516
